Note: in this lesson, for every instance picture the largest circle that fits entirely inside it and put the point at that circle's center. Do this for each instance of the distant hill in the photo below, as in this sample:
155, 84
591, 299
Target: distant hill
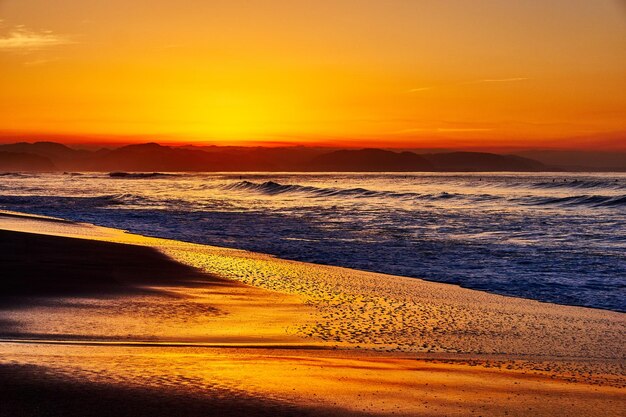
377, 160
19, 161
480, 161
61, 155
580, 160
369, 160
242, 158
152, 157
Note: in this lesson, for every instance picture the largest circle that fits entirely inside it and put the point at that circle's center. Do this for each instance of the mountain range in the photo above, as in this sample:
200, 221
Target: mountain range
51, 156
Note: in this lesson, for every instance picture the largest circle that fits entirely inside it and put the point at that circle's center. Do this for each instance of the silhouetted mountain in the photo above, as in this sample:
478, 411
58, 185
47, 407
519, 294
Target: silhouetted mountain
155, 157
479, 161
381, 160
64, 157
241, 158
372, 160
18, 161
580, 160
152, 157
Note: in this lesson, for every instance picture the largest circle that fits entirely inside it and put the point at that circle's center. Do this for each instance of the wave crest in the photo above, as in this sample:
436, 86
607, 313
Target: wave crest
581, 184
140, 175
578, 201
79, 202
274, 188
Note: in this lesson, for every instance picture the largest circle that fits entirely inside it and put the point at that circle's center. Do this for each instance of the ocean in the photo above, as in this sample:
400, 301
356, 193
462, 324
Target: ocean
551, 237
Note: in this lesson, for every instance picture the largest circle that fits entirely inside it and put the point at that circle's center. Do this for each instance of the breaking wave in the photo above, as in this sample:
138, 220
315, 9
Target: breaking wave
581, 184
578, 201
140, 175
272, 188
81, 202
12, 174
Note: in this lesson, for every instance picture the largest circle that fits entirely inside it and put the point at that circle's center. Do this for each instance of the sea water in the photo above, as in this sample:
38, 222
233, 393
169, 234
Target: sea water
551, 237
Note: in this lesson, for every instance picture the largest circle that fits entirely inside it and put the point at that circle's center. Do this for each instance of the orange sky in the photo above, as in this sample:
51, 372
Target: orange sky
404, 73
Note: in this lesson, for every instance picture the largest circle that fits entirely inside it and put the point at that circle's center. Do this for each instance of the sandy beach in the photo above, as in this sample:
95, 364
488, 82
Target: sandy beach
96, 321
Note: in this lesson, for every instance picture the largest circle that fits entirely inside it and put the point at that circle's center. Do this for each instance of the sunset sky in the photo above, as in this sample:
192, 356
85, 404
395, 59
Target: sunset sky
391, 73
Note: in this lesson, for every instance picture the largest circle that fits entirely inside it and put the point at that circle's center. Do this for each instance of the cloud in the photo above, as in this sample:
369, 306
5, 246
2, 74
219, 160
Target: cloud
417, 90
39, 62
21, 39
483, 81
443, 130
463, 129
498, 80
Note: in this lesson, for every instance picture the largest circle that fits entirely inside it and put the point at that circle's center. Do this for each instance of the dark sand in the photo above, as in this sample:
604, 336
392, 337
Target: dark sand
51, 266
32, 391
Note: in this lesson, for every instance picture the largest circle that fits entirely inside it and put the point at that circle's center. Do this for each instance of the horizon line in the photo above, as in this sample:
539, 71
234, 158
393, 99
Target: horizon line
337, 146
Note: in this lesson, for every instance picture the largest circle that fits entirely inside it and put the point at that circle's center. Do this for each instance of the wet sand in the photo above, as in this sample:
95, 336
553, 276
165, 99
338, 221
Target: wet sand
170, 328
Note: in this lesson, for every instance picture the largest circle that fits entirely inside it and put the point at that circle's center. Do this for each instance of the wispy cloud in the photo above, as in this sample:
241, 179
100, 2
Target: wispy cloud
483, 81
23, 39
417, 90
463, 129
443, 130
497, 80
39, 62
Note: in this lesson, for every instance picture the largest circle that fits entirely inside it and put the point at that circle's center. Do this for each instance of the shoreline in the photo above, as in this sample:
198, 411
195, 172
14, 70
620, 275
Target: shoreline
348, 342
42, 218
201, 258
454, 283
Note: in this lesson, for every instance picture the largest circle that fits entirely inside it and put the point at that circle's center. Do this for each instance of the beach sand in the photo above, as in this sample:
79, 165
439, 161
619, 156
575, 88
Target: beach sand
95, 321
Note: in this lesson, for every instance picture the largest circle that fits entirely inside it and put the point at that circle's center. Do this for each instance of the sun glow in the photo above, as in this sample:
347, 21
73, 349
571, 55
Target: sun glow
386, 74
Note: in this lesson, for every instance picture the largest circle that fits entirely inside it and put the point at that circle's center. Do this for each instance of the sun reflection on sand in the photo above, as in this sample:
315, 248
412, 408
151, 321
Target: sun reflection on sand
347, 383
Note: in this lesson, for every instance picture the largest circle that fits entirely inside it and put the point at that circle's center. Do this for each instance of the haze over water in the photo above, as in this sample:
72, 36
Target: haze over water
551, 237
